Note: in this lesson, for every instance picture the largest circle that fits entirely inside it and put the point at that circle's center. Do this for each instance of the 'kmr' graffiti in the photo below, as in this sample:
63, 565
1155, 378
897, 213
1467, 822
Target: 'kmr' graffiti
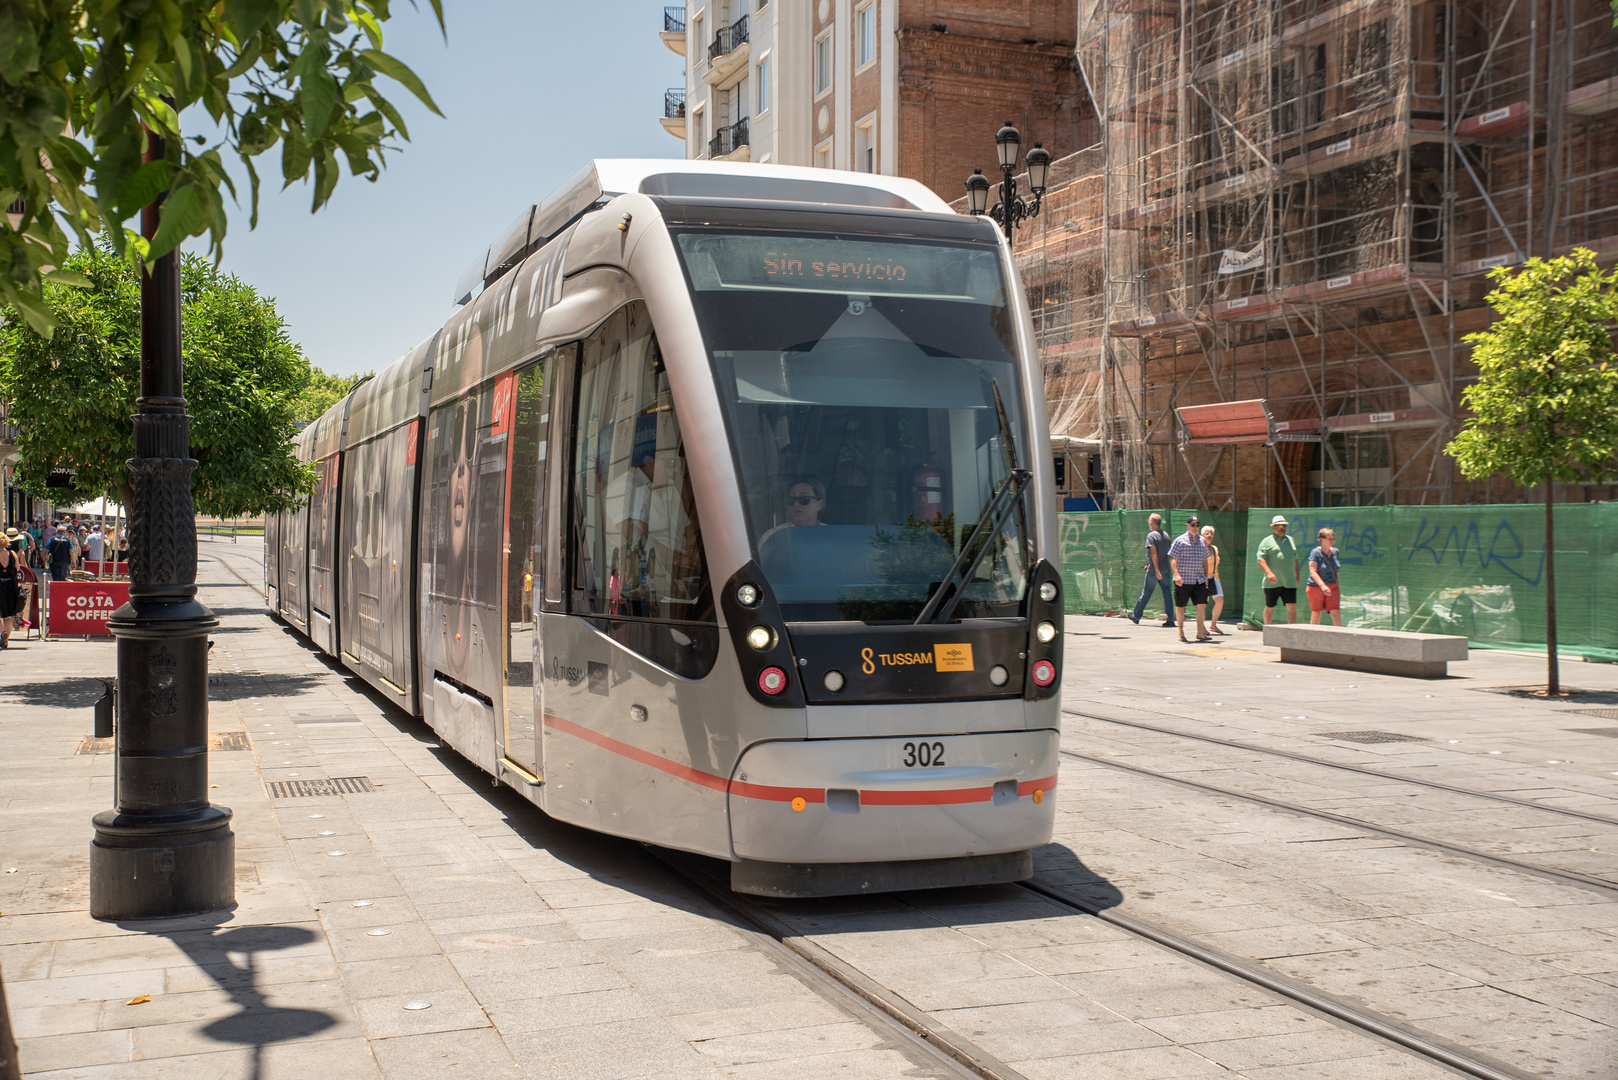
1505, 548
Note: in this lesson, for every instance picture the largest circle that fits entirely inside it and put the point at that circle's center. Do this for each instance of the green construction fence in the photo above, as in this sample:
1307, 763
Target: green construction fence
1472, 570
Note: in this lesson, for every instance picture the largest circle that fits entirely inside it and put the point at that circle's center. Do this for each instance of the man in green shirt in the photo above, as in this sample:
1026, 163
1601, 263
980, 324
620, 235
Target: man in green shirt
1278, 558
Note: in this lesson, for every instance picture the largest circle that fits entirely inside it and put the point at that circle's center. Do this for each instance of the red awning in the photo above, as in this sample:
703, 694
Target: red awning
1226, 422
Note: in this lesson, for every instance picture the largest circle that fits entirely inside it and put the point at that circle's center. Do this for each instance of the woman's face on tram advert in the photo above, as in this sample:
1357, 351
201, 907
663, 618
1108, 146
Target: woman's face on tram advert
457, 508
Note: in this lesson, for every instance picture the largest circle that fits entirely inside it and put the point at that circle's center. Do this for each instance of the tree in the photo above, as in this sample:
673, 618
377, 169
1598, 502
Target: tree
71, 395
322, 392
1545, 406
84, 84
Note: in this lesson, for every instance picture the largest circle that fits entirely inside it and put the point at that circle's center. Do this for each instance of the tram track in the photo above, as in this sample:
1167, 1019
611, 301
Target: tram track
1364, 1020
1346, 767
1601, 886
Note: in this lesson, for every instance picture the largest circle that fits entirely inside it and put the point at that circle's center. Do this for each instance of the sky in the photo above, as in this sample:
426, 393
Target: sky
530, 90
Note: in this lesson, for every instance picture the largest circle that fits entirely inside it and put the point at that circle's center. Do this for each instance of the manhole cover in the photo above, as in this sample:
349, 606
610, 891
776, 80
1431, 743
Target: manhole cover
230, 740
336, 785
1605, 714
92, 745
1609, 732
1368, 736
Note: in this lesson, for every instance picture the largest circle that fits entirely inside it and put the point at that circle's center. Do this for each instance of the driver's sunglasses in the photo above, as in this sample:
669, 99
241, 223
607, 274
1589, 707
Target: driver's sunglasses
800, 500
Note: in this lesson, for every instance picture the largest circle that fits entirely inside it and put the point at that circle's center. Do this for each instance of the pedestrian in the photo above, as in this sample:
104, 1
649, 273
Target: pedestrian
94, 546
1217, 599
1325, 592
1189, 555
60, 553
1158, 572
10, 595
1278, 558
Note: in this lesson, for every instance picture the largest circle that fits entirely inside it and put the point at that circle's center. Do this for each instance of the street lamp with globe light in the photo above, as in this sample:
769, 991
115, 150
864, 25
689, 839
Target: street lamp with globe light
1012, 209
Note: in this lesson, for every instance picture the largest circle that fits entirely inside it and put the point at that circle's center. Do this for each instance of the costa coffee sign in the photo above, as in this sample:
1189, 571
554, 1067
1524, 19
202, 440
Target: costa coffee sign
83, 607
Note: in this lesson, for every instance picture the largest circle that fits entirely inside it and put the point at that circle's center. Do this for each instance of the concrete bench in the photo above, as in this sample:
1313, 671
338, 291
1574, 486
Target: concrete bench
1385, 652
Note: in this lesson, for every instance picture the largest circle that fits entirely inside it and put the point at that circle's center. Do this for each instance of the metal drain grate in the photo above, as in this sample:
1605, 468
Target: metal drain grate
1605, 714
336, 785
1609, 732
92, 745
1368, 736
229, 740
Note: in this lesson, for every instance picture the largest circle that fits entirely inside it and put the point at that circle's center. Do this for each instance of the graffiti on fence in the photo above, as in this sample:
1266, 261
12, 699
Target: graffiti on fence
1085, 559
1505, 548
1356, 543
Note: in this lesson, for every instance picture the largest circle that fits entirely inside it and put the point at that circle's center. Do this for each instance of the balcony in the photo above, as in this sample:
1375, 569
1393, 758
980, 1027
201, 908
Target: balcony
673, 34
729, 143
673, 119
728, 54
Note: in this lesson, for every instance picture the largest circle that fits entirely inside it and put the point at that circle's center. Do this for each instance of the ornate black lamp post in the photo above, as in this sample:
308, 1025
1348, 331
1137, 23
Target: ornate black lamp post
1012, 209
163, 851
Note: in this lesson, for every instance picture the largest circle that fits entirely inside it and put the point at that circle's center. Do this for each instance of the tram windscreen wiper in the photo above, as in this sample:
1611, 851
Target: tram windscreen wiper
941, 606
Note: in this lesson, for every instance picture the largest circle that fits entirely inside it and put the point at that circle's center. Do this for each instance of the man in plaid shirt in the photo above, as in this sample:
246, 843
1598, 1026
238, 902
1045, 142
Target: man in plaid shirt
1189, 554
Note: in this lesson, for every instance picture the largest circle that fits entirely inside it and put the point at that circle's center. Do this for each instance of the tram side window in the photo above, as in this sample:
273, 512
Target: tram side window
636, 541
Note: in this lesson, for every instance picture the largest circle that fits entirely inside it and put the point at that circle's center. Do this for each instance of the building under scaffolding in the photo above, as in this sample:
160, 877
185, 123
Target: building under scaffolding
1254, 292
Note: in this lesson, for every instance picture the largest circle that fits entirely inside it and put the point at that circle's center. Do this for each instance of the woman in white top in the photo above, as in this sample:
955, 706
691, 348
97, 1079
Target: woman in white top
1211, 564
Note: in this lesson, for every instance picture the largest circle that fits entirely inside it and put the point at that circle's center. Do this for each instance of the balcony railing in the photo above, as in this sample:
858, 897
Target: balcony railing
674, 103
728, 139
729, 39
674, 20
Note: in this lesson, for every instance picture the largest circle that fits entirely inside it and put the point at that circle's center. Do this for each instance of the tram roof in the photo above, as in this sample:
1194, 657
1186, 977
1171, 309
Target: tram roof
603, 178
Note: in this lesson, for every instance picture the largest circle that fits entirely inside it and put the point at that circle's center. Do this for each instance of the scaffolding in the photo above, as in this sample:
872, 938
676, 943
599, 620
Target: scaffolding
1257, 293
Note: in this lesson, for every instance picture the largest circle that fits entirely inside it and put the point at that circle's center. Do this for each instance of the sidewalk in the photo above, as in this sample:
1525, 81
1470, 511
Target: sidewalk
538, 949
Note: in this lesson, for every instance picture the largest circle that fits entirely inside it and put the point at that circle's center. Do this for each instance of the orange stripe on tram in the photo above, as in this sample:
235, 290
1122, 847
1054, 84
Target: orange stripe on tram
771, 793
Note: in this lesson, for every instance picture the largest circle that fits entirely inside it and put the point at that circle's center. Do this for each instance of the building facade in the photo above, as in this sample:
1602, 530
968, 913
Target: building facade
912, 88
1261, 293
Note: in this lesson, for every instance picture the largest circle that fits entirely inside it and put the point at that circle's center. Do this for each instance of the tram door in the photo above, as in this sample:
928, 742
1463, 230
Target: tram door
523, 548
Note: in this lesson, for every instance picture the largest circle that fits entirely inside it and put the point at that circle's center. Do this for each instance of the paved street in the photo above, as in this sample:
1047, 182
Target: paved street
541, 950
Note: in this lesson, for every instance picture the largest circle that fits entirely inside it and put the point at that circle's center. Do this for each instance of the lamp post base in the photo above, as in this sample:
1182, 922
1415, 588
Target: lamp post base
146, 869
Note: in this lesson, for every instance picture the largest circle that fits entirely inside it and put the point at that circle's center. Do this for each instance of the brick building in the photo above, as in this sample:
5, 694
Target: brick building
911, 88
1255, 292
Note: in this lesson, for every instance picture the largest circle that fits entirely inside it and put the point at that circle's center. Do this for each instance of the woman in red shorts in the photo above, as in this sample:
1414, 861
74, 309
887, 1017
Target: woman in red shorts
1325, 592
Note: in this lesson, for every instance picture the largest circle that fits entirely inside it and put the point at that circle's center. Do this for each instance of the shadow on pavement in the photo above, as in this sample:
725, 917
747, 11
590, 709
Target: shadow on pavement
229, 958
68, 693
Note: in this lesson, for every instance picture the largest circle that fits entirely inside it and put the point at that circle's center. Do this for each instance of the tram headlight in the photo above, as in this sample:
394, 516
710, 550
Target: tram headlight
1047, 591
833, 681
772, 680
1044, 673
747, 595
1045, 632
760, 638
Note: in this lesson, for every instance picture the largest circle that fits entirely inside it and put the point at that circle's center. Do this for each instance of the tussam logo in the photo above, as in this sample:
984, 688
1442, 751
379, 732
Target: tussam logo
943, 658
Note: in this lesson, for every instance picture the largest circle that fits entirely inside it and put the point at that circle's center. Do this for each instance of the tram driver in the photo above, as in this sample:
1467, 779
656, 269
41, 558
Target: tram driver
806, 498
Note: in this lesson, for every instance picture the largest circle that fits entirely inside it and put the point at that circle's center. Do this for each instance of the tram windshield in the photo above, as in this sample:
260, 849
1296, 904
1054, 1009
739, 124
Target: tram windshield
859, 377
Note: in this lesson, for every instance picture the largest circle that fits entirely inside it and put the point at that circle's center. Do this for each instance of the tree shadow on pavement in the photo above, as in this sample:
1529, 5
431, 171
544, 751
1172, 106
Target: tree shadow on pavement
67, 693
229, 957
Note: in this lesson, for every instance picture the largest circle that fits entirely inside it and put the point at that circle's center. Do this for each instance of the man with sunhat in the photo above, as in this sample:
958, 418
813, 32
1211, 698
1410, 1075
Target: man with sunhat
1278, 558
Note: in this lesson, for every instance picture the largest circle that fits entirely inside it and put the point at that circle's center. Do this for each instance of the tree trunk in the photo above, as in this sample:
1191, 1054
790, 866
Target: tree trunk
1553, 681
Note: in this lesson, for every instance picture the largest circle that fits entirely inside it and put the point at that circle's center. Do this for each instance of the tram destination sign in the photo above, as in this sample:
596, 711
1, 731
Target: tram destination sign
725, 261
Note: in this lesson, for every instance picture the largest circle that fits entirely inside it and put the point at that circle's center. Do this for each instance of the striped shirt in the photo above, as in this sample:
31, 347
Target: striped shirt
1190, 557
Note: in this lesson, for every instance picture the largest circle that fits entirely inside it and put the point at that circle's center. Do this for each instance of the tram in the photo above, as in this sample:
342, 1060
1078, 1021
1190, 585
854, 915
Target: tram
718, 516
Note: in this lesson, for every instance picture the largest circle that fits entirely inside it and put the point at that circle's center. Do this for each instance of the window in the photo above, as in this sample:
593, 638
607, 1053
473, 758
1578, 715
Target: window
865, 146
823, 64
823, 155
865, 35
762, 77
637, 547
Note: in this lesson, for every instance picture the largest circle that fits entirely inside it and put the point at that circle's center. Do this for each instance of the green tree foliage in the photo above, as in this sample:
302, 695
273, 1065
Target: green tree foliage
84, 82
322, 392
71, 395
1545, 406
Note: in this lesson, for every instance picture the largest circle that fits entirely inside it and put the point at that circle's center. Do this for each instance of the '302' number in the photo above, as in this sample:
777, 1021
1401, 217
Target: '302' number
923, 754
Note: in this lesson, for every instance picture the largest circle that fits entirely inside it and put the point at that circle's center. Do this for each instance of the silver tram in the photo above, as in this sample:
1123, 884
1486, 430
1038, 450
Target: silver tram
716, 517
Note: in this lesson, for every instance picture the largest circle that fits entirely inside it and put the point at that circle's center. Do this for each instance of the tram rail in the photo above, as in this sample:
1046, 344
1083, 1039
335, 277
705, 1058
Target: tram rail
1453, 789
1602, 886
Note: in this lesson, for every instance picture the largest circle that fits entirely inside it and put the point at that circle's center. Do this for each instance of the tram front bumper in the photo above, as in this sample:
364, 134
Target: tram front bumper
870, 800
